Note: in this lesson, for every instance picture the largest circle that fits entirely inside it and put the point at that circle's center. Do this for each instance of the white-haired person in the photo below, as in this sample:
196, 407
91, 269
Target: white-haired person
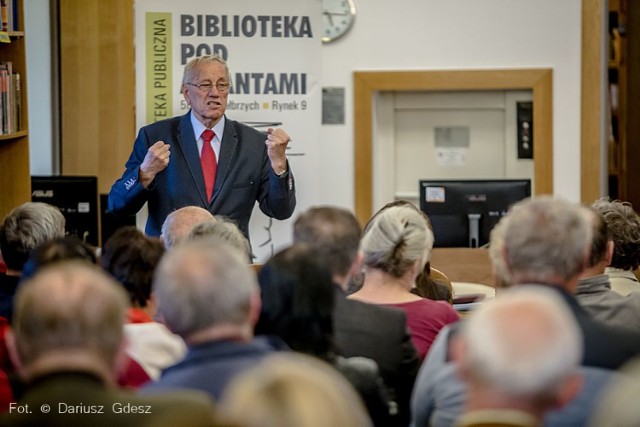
395, 247
179, 223
519, 356
25, 228
223, 230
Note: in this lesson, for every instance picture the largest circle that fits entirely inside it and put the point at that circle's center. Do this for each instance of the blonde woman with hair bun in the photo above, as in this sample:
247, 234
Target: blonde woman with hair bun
292, 390
395, 247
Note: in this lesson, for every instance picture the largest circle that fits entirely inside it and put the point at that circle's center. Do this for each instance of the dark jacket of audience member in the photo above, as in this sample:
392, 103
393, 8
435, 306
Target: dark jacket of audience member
360, 329
297, 306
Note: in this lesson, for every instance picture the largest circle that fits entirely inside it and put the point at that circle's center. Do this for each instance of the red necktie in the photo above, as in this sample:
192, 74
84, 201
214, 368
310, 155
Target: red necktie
208, 162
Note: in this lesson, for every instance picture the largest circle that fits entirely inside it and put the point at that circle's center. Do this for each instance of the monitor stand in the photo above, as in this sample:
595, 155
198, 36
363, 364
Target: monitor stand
474, 230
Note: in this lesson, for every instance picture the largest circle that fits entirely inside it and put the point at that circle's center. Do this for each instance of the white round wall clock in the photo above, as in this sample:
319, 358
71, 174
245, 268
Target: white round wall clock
337, 18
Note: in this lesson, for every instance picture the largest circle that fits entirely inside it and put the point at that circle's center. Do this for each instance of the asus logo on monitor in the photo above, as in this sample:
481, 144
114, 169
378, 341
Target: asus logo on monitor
477, 197
42, 193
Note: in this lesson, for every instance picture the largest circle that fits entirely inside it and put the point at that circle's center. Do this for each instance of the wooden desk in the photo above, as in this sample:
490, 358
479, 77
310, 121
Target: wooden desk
463, 264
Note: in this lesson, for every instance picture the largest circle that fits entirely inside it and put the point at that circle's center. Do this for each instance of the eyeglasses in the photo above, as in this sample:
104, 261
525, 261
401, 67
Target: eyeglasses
206, 87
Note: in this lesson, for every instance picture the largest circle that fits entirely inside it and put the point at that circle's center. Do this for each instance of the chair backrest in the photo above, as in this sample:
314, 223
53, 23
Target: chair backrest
439, 276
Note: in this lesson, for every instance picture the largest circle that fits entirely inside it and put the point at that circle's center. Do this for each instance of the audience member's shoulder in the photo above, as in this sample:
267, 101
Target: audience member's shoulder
353, 307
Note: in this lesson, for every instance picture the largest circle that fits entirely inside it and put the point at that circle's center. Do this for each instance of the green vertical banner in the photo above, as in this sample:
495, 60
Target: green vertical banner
159, 72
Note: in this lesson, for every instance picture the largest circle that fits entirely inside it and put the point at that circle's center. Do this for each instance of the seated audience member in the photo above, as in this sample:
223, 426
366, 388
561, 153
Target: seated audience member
224, 230
131, 258
439, 396
67, 338
540, 242
71, 248
594, 289
297, 306
623, 224
179, 223
56, 250
547, 242
292, 390
396, 246
65, 248
24, 228
208, 294
519, 357
367, 330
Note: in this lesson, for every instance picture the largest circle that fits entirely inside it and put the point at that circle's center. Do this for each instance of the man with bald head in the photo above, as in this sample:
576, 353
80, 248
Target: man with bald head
67, 341
519, 356
179, 223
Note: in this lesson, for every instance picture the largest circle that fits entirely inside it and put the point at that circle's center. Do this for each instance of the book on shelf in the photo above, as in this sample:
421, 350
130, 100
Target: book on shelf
5, 15
9, 15
10, 99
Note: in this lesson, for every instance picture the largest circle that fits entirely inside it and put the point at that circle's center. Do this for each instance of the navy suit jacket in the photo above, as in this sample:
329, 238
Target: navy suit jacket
244, 176
211, 366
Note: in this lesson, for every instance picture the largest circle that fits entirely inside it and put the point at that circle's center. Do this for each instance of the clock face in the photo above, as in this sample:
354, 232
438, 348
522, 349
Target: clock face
337, 18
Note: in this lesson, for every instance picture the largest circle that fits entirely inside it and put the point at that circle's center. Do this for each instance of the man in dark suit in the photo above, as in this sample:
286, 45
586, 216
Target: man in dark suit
67, 341
205, 159
367, 330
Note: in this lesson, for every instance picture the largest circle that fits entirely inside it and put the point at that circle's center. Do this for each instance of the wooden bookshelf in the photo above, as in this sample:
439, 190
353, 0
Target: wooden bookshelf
623, 105
15, 177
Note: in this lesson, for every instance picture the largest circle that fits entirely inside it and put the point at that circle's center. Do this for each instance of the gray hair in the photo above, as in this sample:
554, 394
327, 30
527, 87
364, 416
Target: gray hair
223, 230
25, 228
200, 60
200, 285
546, 239
623, 224
496, 254
70, 305
179, 223
395, 239
524, 343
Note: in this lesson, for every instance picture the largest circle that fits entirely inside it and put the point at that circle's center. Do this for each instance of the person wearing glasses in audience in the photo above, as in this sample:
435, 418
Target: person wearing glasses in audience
206, 159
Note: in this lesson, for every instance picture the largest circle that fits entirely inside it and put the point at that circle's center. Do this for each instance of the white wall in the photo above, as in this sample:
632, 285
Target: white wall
407, 34
459, 34
38, 45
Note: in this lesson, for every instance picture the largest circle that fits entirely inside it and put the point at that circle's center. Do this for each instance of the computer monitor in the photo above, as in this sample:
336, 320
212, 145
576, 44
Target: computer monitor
77, 199
463, 212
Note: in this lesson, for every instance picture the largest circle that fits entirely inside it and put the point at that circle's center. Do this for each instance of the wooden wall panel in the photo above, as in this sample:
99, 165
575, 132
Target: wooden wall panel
592, 102
97, 90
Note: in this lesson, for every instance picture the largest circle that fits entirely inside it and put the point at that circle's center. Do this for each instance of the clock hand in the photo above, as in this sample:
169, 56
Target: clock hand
329, 16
